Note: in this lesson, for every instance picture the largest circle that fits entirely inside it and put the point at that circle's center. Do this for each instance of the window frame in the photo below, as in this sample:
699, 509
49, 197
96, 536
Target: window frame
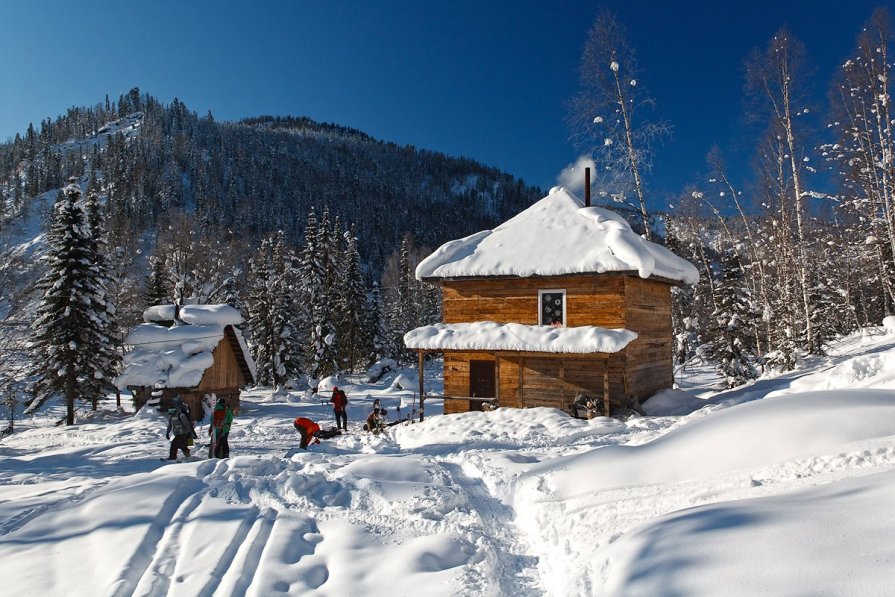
565, 304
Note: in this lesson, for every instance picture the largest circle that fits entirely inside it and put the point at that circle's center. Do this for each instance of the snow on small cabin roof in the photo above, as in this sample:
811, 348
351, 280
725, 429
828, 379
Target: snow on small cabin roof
556, 236
195, 314
177, 356
488, 335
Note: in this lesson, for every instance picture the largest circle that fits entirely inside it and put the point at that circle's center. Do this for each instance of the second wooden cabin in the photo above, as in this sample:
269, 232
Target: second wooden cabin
562, 304
187, 351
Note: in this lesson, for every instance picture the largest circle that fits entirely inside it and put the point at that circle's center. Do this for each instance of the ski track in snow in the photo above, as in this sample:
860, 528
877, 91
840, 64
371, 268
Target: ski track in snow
460, 509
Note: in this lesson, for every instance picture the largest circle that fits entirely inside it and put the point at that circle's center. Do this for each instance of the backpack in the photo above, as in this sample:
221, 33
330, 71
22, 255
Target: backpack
177, 424
217, 419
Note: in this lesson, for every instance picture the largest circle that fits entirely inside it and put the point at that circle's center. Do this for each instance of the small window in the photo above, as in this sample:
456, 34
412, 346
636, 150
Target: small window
552, 307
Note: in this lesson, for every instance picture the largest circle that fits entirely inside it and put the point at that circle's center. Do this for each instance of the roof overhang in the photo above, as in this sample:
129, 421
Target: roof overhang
631, 273
489, 336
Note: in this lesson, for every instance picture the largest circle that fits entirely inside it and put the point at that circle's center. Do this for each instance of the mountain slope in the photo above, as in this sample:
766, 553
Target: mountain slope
158, 162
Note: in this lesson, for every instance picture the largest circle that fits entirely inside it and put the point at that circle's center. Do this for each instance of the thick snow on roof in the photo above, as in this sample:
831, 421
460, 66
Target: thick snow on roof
195, 314
556, 236
176, 357
488, 335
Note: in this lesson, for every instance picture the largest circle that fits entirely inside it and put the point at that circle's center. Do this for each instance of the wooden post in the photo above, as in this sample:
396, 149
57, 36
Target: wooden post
606, 390
497, 378
562, 383
421, 357
117, 397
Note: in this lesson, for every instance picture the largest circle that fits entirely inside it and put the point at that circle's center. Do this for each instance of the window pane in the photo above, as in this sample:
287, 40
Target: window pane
552, 308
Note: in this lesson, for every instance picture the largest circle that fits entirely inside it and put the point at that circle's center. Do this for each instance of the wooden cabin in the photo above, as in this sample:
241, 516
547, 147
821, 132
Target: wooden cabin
188, 351
562, 305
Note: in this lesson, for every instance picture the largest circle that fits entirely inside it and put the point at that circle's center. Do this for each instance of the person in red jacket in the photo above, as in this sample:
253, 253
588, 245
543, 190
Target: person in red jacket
340, 408
307, 429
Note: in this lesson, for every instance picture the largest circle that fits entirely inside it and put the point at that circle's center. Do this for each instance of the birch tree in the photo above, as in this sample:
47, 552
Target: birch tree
608, 115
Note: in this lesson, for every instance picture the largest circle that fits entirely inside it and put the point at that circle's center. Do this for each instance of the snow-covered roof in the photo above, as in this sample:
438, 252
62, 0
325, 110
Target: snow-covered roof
488, 335
177, 356
556, 236
194, 314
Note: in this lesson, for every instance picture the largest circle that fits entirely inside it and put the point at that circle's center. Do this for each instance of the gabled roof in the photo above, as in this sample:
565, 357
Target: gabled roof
556, 236
177, 356
488, 335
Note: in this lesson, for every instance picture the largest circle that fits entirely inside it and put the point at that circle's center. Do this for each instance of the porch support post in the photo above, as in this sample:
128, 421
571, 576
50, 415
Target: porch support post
497, 378
606, 389
421, 359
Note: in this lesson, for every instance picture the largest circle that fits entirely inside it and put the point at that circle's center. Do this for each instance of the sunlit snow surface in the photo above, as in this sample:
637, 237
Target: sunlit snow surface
775, 489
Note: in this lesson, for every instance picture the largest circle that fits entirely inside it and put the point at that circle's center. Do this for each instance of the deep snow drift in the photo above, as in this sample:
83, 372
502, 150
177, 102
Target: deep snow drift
775, 488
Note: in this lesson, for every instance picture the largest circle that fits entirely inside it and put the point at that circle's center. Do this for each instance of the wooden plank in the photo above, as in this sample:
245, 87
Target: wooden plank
421, 369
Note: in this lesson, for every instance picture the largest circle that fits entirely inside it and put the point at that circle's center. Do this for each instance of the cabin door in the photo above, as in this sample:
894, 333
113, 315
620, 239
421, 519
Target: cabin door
482, 382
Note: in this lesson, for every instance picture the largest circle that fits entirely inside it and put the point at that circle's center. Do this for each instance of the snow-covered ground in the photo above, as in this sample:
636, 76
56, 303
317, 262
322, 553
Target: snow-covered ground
783, 487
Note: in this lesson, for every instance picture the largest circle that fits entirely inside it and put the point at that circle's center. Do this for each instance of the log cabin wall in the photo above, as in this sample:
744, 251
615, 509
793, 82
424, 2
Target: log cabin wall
649, 357
610, 301
224, 377
547, 380
224, 373
590, 300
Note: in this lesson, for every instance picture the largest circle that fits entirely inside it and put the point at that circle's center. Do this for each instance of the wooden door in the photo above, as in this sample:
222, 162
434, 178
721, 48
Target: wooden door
482, 379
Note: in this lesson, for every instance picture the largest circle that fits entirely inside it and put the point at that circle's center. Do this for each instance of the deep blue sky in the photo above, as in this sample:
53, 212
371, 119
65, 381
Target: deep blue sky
485, 79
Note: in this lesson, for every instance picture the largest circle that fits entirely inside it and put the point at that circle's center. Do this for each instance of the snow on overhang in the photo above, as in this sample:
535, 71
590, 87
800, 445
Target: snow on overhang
516, 337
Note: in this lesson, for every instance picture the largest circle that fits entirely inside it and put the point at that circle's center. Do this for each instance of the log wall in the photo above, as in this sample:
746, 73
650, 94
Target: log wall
649, 364
590, 300
525, 380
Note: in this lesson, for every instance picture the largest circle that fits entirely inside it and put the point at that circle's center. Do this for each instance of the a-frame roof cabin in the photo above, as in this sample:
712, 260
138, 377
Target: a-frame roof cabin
189, 351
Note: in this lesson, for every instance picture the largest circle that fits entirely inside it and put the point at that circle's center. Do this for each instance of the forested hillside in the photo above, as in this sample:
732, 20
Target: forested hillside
255, 176
311, 229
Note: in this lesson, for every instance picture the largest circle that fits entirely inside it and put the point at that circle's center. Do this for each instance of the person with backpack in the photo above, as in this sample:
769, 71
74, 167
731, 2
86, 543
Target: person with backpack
340, 408
307, 430
219, 430
180, 423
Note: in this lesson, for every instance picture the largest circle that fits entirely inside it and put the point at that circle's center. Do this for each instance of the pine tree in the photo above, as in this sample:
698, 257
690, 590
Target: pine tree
158, 284
73, 339
260, 323
733, 337
284, 309
107, 334
319, 353
377, 321
272, 313
355, 338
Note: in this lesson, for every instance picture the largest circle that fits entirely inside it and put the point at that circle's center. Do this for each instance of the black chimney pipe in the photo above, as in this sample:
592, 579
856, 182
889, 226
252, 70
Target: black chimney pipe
587, 187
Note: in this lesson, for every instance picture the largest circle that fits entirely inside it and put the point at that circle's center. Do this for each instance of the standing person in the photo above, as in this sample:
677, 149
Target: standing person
180, 423
307, 429
219, 430
340, 408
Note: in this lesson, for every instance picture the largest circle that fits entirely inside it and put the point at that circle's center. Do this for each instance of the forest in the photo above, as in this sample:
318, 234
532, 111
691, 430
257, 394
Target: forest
313, 230
793, 250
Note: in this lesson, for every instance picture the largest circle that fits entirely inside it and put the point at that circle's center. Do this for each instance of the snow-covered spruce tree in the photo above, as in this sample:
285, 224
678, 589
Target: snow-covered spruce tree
159, 289
606, 115
378, 321
73, 344
108, 334
319, 352
733, 340
271, 313
407, 313
259, 307
355, 337
284, 308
